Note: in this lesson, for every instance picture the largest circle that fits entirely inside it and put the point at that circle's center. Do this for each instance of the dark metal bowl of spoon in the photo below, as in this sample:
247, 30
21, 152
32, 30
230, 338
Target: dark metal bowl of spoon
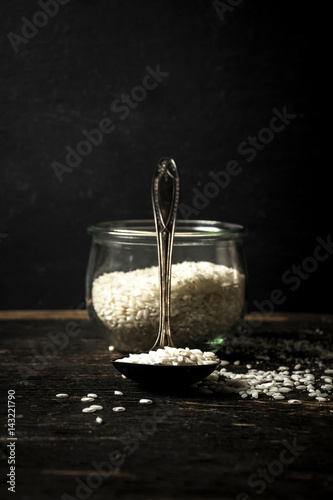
165, 198
164, 375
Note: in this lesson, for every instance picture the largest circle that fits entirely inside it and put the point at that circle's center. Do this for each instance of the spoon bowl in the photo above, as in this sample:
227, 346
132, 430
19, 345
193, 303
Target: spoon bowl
163, 376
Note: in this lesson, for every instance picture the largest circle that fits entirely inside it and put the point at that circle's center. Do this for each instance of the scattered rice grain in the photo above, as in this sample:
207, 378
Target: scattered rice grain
224, 362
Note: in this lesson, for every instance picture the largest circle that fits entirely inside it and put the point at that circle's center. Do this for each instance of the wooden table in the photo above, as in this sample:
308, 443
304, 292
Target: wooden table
186, 445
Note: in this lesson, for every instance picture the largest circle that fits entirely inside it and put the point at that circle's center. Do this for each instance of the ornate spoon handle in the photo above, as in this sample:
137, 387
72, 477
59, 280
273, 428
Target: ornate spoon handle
165, 198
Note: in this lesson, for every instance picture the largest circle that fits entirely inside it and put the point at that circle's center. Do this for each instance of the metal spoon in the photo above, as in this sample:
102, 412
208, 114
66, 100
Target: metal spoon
165, 198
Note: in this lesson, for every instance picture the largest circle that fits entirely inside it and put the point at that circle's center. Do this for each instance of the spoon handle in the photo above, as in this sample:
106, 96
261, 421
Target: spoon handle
165, 197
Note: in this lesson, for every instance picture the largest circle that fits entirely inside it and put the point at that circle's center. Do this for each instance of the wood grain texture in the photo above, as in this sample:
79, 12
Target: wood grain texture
40, 315
82, 314
185, 445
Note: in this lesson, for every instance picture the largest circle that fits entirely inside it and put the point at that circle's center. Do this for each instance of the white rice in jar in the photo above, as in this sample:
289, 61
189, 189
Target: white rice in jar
206, 300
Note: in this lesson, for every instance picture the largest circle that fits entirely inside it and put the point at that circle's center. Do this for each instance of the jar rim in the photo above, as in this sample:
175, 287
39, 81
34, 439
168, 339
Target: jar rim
145, 228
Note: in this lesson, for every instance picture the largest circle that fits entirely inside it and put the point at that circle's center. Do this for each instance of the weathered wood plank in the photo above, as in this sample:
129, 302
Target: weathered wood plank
82, 314
63, 314
185, 445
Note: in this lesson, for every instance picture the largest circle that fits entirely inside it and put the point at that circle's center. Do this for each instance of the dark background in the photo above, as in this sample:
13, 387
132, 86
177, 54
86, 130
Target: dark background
225, 77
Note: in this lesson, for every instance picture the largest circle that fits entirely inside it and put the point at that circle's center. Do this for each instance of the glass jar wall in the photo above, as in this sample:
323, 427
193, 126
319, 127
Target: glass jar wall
208, 284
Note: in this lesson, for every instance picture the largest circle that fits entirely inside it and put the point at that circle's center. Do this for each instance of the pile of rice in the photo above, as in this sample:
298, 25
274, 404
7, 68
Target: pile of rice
206, 300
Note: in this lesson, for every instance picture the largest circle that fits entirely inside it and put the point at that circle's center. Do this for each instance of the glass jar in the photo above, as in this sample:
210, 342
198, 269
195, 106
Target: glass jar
208, 284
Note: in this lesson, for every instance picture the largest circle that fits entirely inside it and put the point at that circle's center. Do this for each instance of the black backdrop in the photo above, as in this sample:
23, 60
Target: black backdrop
219, 73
